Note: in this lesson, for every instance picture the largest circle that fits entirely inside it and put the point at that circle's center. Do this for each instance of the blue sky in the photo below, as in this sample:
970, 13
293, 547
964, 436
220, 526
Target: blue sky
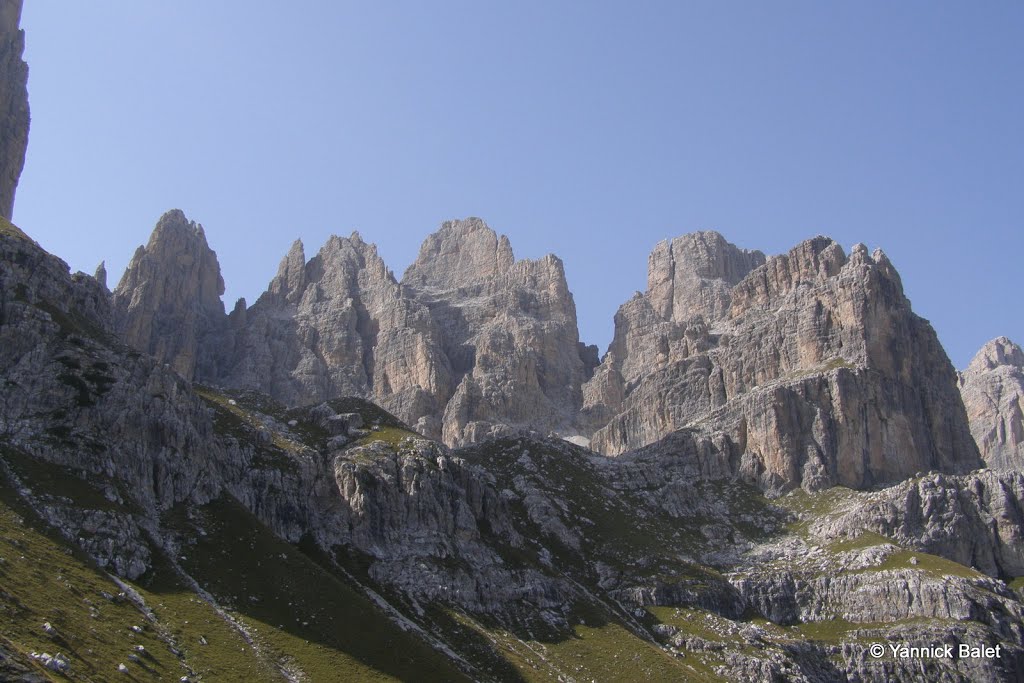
591, 130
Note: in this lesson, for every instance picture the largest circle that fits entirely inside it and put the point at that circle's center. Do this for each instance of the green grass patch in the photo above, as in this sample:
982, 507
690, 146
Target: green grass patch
835, 364
597, 648
9, 229
392, 436
189, 620
42, 579
933, 565
235, 419
809, 507
47, 479
867, 539
72, 324
836, 631
296, 610
695, 622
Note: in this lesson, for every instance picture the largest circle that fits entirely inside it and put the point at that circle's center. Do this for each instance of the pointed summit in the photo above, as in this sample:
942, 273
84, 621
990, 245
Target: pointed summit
169, 296
461, 252
101, 274
291, 274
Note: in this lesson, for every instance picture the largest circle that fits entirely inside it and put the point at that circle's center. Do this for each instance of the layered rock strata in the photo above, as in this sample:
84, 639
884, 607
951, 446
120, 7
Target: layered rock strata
811, 366
529, 536
992, 388
507, 327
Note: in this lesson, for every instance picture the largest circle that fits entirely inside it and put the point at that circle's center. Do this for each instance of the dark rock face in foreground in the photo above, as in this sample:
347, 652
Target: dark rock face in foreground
14, 113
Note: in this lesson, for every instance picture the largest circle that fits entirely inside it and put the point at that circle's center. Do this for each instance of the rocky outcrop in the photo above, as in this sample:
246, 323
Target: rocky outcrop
992, 388
75, 397
340, 325
507, 327
976, 519
168, 301
472, 344
122, 456
693, 275
812, 367
14, 112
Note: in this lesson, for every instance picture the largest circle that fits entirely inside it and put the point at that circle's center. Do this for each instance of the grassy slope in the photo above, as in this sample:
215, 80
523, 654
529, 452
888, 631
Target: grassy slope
299, 614
45, 581
305, 620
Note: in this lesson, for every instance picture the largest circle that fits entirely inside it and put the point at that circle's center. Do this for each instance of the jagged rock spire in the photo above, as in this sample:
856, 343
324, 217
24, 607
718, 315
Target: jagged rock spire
168, 301
101, 274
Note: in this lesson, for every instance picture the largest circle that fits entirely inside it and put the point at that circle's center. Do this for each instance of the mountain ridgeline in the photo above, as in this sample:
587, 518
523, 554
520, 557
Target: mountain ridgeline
773, 470
247, 526
805, 369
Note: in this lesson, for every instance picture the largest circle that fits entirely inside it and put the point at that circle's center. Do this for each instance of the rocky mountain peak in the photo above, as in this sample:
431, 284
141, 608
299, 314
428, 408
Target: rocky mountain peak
291, 274
344, 263
792, 335
14, 111
692, 275
169, 296
813, 260
992, 388
995, 353
177, 254
101, 274
460, 253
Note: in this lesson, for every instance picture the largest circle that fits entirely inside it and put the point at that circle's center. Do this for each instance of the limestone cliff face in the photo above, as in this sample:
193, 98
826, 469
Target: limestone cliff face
514, 532
812, 365
14, 112
508, 329
472, 344
75, 396
992, 388
693, 275
168, 301
339, 325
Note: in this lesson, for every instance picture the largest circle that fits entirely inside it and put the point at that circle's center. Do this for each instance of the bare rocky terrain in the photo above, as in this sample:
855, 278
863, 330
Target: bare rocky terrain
14, 114
773, 468
992, 387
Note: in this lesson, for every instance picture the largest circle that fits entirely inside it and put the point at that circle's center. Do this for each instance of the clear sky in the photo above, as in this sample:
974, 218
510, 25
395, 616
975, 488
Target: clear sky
588, 129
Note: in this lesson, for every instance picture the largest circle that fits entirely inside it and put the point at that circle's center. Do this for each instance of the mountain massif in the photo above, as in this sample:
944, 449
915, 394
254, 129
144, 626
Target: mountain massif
806, 369
772, 471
